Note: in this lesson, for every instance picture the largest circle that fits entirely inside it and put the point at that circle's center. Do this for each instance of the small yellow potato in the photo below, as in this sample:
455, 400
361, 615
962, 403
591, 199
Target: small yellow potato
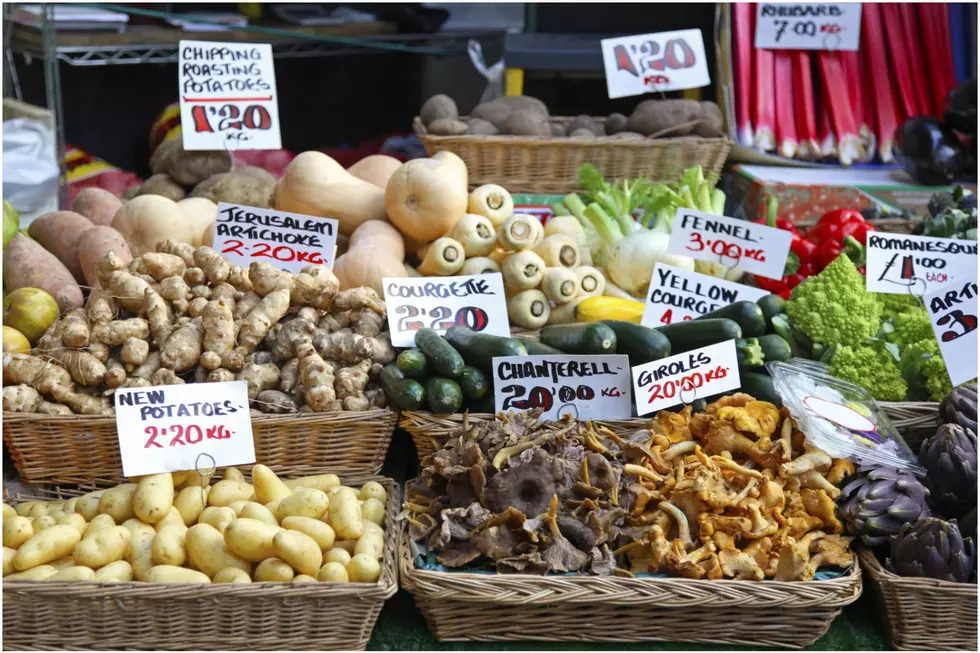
37, 509
74, 520
371, 527
237, 506
117, 502
300, 550
87, 505
340, 556
172, 517
73, 573
370, 544
346, 545
214, 515
303, 578
338, 488
224, 492
42, 522
373, 511
103, 547
70, 505
139, 553
207, 549
273, 506
268, 486
52, 543
344, 516
254, 510
56, 514
37, 573
118, 571
101, 522
16, 531
232, 474
168, 547
303, 502
24, 509
190, 502
62, 563
322, 482
318, 530
251, 539
180, 479
171, 574
8, 560
232, 575
154, 497
363, 569
373, 490
332, 572
8, 511
273, 570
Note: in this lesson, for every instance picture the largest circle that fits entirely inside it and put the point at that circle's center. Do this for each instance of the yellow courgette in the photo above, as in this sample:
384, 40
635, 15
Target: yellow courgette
593, 309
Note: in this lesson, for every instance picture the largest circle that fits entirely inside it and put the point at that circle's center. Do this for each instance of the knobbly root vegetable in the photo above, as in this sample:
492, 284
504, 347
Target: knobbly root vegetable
318, 380
160, 266
260, 319
493, 202
117, 332
314, 286
442, 258
183, 348
259, 378
520, 232
94, 244
128, 290
529, 309
75, 329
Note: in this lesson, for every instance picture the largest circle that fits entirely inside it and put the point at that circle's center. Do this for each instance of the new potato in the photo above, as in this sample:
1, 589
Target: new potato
8, 560
332, 572
139, 553
16, 531
8, 511
268, 486
322, 482
216, 515
300, 550
231, 575
303, 502
189, 502
370, 544
363, 569
103, 547
340, 556
208, 551
74, 520
53, 543
172, 574
42, 572
344, 515
168, 547
154, 497
87, 505
119, 571
251, 539
373, 510
77, 572
253, 510
99, 523
318, 530
272, 570
117, 502
225, 492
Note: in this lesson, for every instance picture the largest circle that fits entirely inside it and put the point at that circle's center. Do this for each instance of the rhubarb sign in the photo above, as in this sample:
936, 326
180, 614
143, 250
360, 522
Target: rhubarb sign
665, 61
814, 26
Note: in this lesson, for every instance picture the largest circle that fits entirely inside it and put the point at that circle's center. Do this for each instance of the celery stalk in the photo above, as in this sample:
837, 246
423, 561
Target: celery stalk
704, 198
576, 206
687, 199
718, 201
559, 209
608, 230
609, 204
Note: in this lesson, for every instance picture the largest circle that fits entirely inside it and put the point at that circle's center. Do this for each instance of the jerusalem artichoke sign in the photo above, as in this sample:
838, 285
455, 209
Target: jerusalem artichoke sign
684, 378
953, 314
289, 241
171, 428
676, 295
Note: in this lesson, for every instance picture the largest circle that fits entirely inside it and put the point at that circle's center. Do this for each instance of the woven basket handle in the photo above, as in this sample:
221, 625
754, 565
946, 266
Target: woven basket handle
689, 123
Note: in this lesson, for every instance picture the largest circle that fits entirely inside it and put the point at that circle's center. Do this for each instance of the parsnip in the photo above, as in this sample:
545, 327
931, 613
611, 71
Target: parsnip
442, 258
475, 233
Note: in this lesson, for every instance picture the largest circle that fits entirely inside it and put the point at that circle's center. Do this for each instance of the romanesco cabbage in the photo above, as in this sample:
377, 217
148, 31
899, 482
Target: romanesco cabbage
924, 370
894, 305
872, 368
833, 308
912, 326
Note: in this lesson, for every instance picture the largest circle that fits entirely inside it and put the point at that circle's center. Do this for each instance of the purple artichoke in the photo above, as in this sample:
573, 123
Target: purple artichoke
950, 458
933, 548
960, 407
877, 501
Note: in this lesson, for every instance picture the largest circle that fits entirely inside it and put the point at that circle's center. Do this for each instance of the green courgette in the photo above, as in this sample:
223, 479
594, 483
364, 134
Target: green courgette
761, 387
413, 364
642, 344
685, 336
407, 394
748, 315
444, 358
536, 348
775, 348
771, 305
479, 349
474, 383
443, 396
588, 339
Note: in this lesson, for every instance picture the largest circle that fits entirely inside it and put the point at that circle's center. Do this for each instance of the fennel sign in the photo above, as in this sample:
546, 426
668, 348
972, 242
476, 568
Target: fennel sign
730, 243
289, 241
683, 378
677, 295
917, 265
808, 26
953, 314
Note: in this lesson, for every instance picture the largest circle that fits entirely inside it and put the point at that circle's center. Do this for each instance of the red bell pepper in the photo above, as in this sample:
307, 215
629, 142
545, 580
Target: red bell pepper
859, 230
830, 250
772, 205
840, 217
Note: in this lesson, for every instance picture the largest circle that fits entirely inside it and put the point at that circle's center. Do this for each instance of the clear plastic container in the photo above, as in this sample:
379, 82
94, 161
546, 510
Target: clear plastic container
840, 417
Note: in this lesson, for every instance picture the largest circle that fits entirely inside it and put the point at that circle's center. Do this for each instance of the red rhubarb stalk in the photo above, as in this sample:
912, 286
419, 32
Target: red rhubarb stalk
854, 82
765, 100
899, 58
743, 15
786, 140
883, 102
842, 121
806, 105
912, 44
828, 139
932, 34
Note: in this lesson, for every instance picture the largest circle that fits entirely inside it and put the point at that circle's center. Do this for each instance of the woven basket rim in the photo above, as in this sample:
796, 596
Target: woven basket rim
305, 417
881, 575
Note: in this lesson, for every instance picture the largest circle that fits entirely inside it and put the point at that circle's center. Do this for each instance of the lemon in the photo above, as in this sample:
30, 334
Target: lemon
31, 311
14, 342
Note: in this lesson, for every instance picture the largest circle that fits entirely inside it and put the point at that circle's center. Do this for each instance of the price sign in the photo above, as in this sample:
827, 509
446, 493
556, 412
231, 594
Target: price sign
902, 263
677, 295
953, 312
587, 387
732, 243
476, 302
665, 61
167, 428
289, 241
228, 96
816, 26
682, 378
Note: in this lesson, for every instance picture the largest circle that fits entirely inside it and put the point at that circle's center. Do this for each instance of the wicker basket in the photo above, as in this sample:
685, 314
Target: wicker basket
505, 607
69, 450
914, 420
922, 613
44, 615
530, 164
430, 431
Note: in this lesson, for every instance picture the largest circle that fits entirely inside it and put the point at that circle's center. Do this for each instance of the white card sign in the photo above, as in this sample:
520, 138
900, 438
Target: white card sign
476, 302
665, 61
586, 387
813, 26
953, 313
228, 96
905, 264
738, 244
677, 295
289, 241
683, 378
171, 428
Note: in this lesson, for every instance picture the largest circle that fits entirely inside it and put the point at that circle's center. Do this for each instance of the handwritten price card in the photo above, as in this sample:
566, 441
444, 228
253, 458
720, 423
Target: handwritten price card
476, 302
732, 243
586, 387
170, 428
289, 241
953, 311
904, 264
228, 96
816, 26
677, 295
683, 378
666, 61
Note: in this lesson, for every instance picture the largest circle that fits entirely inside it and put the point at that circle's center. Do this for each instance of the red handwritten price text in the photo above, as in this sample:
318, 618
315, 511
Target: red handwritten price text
806, 28
181, 435
669, 315
230, 117
283, 253
957, 323
442, 318
643, 57
725, 249
544, 398
668, 389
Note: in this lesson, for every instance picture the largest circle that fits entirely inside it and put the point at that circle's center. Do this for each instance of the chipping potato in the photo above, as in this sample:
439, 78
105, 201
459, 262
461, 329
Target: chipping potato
268, 486
42, 522
87, 505
77, 572
61, 563
207, 549
99, 523
303, 502
373, 489
190, 503
332, 572
41, 572
139, 553
237, 506
180, 478
171, 574
232, 575
172, 517
16, 531
318, 530
214, 515
224, 492
232, 474
322, 482
273, 570
103, 547
117, 502
303, 578
344, 516
168, 547
74, 520
373, 511
370, 544
52, 543
363, 569
8, 511
299, 550
118, 571
8, 560
340, 556
253, 510
251, 539
154, 497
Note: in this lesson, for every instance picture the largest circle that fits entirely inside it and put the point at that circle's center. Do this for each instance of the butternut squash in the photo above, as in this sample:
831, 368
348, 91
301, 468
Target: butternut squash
314, 184
375, 169
375, 251
426, 197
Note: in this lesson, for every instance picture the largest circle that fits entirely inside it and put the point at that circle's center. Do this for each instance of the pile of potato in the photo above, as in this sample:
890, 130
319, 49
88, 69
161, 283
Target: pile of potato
177, 528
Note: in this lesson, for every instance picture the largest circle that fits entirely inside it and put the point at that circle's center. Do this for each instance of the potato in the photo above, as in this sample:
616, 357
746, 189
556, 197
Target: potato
99, 523
251, 539
480, 127
62, 563
583, 121
162, 185
171, 574
8, 560
60, 232
8, 511
139, 553
253, 510
56, 514
346, 545
188, 167
655, 116
133, 525
190, 503
303, 578
373, 511
344, 516
117, 502
268, 486
524, 123
371, 527
318, 530
42, 522
363, 569
16, 531
70, 505
207, 549
224, 492
154, 497
332, 572
168, 547
237, 506
118, 571
104, 547
303, 502
710, 121
52, 543
232, 474
273, 570
447, 127
438, 107
96, 243
96, 204
322, 482
300, 550
87, 505
77, 572
42, 572
373, 489
232, 575
181, 478
172, 517
24, 509
340, 556
370, 544
215, 515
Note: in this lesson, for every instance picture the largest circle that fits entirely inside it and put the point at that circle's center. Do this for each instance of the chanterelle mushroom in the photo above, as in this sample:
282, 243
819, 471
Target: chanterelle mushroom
813, 458
819, 504
739, 565
683, 529
758, 417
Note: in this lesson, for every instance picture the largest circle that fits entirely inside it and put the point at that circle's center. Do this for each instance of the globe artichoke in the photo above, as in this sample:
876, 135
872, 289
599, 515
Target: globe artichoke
877, 501
935, 549
960, 407
950, 459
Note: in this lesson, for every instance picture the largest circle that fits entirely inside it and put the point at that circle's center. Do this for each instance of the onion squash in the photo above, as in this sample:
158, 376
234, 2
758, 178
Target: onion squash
426, 197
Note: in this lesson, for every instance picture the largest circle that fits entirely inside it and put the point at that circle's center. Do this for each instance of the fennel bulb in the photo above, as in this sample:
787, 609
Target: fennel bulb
630, 260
